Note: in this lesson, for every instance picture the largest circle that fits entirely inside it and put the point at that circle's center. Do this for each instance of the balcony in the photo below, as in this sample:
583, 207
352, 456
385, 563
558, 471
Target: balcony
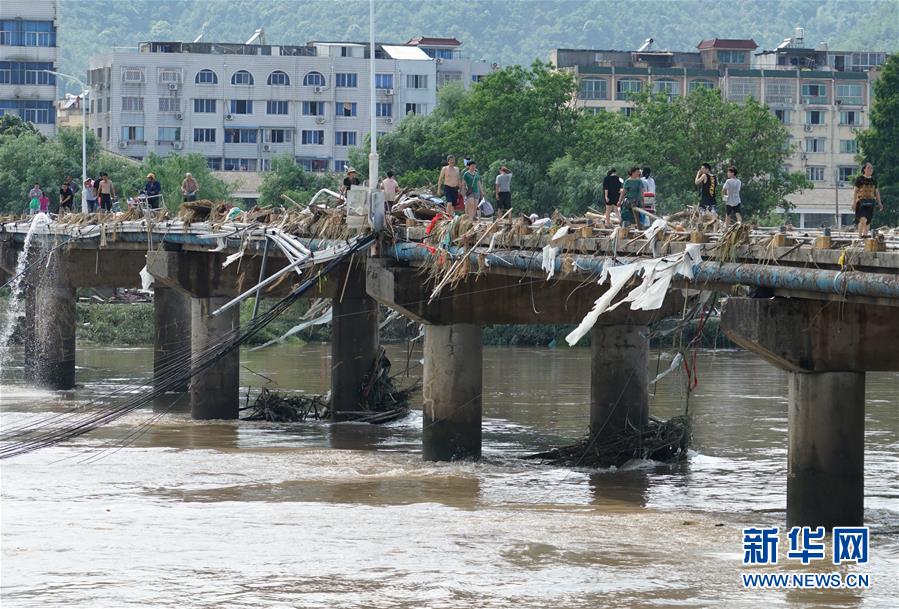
850, 101
816, 100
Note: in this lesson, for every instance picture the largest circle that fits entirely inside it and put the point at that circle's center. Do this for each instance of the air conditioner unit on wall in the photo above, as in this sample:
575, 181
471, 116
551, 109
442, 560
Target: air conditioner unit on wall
266, 147
317, 90
177, 145
389, 91
228, 117
173, 86
123, 144
808, 127
388, 120
178, 116
320, 120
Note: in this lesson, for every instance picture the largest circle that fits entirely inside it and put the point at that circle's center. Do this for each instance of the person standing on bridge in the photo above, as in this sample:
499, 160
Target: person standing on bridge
35, 195
153, 191
66, 196
351, 179
732, 186
472, 181
631, 197
611, 189
90, 195
866, 195
390, 188
106, 191
503, 188
449, 180
708, 190
189, 187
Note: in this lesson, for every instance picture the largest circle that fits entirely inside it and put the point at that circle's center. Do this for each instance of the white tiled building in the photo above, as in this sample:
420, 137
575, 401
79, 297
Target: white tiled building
27, 49
240, 104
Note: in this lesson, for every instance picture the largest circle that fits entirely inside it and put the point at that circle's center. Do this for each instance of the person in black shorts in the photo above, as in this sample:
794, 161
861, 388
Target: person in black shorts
708, 189
611, 192
866, 195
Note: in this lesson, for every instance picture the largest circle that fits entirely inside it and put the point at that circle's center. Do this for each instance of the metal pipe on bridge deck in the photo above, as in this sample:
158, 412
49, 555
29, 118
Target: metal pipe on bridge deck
843, 283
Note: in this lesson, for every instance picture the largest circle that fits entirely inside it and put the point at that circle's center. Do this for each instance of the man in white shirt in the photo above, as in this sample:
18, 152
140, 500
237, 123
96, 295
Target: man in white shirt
390, 188
731, 191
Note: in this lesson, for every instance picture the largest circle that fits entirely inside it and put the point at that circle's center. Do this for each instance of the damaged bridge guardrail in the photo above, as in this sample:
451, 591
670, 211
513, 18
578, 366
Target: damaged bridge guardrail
841, 283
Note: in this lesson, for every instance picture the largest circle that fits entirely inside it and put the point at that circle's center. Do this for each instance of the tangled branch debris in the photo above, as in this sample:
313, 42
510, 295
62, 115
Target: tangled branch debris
665, 441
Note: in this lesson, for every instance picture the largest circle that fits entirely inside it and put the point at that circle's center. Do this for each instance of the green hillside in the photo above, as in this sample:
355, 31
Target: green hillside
504, 31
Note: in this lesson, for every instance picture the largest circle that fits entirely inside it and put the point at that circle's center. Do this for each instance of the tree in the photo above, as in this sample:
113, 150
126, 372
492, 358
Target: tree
288, 178
170, 171
879, 143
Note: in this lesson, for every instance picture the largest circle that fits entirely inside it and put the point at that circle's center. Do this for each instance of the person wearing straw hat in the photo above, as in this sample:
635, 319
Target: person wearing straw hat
153, 191
189, 187
351, 179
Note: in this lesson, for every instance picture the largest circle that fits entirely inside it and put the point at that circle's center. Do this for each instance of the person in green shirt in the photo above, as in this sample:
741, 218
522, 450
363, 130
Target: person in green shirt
472, 180
631, 197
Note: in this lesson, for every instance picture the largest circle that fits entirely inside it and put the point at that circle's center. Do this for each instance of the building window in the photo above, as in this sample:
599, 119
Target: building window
206, 77
594, 110
814, 174
628, 112
214, 163
21, 33
167, 76
346, 109
242, 77
168, 134
99, 105
448, 77
416, 81
731, 56
850, 117
814, 117
240, 165
313, 108
344, 138
594, 88
383, 81
346, 80
844, 174
740, 89
132, 75
783, 116
132, 104
314, 79
626, 87
241, 106
204, 135
170, 104
132, 134
312, 136
26, 73
779, 91
415, 108
278, 136
849, 94
276, 107
671, 88
814, 144
205, 106
848, 147
240, 136
346, 52
383, 109
700, 84
317, 165
278, 78
814, 93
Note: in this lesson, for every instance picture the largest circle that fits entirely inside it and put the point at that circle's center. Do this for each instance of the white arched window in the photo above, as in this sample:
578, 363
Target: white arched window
242, 77
314, 79
278, 78
206, 77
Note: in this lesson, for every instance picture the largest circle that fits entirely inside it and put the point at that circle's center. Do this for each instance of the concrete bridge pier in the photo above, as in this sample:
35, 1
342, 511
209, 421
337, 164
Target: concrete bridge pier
52, 354
354, 345
172, 316
452, 392
826, 347
214, 393
619, 389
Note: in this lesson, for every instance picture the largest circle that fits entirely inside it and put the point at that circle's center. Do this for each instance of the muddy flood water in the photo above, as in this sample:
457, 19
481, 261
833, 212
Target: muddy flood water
191, 514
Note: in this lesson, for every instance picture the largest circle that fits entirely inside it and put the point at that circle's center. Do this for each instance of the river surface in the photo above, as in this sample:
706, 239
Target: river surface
192, 514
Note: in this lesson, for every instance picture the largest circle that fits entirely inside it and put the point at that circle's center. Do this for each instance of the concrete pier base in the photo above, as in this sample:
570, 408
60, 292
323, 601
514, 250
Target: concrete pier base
53, 352
619, 390
354, 347
452, 392
825, 481
172, 344
214, 392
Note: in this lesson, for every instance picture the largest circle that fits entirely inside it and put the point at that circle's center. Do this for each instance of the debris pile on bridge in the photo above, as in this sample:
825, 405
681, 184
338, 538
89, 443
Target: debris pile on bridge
664, 441
383, 401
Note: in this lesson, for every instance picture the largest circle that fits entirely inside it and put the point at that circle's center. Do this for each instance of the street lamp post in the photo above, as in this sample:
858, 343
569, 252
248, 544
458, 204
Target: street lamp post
84, 93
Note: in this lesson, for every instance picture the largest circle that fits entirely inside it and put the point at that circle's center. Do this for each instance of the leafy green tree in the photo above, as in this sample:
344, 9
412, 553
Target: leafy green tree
288, 178
879, 143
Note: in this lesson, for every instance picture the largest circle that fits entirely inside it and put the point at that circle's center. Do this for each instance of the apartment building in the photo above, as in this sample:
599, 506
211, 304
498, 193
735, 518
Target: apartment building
822, 96
27, 50
240, 104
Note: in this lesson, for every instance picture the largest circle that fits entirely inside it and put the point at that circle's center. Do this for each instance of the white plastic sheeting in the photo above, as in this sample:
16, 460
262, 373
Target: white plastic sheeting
550, 251
657, 274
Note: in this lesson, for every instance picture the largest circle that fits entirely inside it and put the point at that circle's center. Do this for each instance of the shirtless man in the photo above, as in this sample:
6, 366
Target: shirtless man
450, 180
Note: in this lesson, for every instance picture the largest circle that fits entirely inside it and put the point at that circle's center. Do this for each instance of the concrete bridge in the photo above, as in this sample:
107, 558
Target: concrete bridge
827, 314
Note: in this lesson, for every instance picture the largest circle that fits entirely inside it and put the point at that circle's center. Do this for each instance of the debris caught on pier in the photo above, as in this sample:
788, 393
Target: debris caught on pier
275, 407
664, 441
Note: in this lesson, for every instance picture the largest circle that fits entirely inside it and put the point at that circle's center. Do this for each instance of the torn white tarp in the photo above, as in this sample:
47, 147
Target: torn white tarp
675, 362
657, 274
324, 318
146, 280
550, 252
232, 258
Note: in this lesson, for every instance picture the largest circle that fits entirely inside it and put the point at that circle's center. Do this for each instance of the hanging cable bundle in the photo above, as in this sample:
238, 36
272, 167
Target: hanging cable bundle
179, 368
